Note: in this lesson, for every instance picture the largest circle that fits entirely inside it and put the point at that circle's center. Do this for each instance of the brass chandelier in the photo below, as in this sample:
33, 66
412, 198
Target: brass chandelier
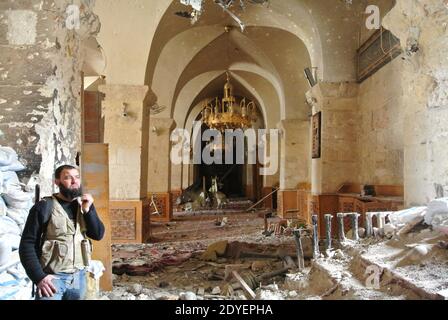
226, 114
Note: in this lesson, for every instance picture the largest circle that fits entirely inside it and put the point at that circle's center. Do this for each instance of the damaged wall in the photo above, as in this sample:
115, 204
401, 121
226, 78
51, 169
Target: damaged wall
40, 82
421, 27
381, 126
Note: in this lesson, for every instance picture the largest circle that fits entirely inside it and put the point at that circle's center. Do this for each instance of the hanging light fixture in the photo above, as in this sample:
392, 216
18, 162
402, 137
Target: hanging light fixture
226, 114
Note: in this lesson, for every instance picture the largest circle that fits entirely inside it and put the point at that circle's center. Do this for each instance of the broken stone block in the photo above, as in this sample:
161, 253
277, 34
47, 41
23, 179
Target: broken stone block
260, 265
420, 252
216, 290
214, 250
292, 294
411, 225
136, 288
201, 291
115, 296
165, 296
338, 254
415, 256
188, 296
270, 295
271, 287
129, 296
389, 230
142, 297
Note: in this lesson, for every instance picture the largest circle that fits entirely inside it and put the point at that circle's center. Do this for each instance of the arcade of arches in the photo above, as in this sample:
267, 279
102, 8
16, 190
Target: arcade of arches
146, 71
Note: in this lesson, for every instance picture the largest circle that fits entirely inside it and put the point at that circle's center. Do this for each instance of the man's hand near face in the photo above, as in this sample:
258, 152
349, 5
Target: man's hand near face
86, 201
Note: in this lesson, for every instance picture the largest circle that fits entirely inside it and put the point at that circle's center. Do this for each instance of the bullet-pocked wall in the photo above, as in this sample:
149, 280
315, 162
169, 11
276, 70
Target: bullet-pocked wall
421, 28
40, 81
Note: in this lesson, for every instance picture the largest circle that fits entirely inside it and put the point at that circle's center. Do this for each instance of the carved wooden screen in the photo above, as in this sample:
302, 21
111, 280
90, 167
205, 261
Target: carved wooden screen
316, 124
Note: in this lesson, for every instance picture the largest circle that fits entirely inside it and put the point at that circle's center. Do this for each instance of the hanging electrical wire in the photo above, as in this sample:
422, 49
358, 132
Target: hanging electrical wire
226, 5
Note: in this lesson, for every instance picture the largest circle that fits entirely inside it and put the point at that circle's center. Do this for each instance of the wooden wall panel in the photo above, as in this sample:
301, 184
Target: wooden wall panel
288, 206
164, 205
126, 221
95, 177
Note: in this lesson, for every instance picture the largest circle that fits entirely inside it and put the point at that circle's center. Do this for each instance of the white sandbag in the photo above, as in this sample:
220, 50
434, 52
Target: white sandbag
16, 198
7, 156
5, 252
10, 177
18, 272
14, 166
24, 292
15, 284
11, 240
400, 218
9, 292
10, 182
13, 195
6, 279
3, 207
16, 215
9, 226
437, 212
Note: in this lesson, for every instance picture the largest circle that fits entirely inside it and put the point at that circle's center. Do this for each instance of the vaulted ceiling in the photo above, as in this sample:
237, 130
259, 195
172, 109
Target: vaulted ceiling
185, 62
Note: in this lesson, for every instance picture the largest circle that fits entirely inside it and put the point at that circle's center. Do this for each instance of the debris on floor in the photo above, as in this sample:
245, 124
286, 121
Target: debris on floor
402, 255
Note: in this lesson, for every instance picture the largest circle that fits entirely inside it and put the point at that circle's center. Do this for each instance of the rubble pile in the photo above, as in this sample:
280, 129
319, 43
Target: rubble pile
223, 270
232, 206
15, 201
404, 258
391, 256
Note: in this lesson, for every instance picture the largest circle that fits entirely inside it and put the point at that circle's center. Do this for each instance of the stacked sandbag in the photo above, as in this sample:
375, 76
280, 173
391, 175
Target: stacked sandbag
15, 202
437, 215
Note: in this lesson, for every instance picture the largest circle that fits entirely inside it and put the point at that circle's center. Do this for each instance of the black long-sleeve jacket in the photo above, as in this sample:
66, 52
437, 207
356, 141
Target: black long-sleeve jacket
30, 250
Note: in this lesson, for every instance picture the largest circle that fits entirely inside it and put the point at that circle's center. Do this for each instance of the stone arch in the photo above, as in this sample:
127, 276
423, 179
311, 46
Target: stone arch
190, 92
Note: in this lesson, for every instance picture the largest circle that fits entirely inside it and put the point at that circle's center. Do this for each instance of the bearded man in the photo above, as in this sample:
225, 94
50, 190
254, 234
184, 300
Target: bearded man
55, 246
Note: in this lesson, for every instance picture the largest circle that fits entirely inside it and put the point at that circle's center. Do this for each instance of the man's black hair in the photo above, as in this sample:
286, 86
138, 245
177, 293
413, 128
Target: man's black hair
57, 173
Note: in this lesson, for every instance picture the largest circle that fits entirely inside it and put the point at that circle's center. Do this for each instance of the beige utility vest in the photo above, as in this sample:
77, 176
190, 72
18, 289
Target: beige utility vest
61, 249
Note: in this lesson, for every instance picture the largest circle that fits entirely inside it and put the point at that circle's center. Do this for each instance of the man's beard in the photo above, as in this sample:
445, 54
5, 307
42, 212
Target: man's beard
70, 193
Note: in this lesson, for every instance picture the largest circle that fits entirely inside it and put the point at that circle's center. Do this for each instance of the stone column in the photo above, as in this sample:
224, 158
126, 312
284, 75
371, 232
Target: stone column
421, 28
338, 162
248, 183
271, 181
190, 174
294, 163
176, 184
126, 120
185, 175
176, 177
159, 165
